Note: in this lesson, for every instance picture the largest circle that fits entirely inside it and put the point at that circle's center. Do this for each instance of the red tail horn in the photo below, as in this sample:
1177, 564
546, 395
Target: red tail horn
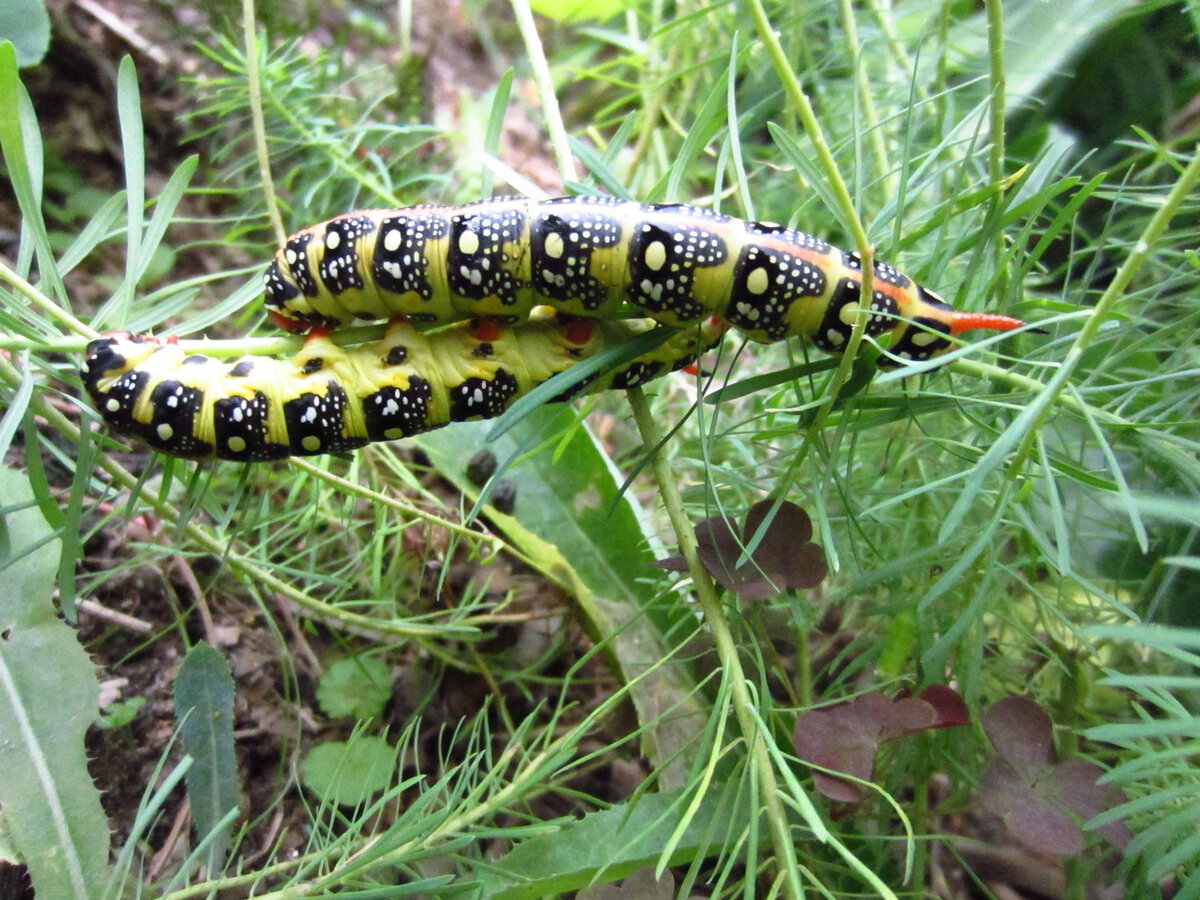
966, 321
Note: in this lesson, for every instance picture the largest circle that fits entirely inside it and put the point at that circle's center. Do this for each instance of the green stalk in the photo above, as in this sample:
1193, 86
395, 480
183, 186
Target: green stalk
996, 78
808, 118
254, 86
870, 115
545, 83
46, 305
731, 667
1104, 308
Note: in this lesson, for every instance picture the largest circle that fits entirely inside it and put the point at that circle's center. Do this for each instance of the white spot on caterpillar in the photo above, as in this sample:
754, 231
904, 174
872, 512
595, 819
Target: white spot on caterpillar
835, 337
113, 405
237, 444
311, 443
748, 312
656, 256
392, 239
332, 239
848, 312
468, 242
290, 256
164, 431
758, 281
925, 338
554, 245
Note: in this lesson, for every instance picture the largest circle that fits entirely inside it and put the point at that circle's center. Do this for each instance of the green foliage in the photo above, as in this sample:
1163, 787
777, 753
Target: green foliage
48, 692
357, 687
348, 773
204, 707
1016, 522
609, 845
26, 24
121, 713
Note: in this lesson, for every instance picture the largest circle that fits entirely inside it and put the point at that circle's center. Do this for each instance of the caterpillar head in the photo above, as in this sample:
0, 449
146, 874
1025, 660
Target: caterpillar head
112, 355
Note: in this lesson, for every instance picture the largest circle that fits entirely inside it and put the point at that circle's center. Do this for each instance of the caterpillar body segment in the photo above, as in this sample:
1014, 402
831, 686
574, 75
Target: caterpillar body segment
328, 399
587, 256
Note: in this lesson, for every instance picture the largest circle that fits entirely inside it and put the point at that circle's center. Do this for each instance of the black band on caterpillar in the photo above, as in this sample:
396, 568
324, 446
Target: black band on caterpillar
328, 399
586, 256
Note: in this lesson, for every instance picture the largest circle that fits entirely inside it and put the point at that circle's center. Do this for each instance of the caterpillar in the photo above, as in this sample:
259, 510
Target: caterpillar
588, 256
328, 399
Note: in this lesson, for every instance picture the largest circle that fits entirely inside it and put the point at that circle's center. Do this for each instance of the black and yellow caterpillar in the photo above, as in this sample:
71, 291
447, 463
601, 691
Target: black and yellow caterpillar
590, 259
588, 256
328, 399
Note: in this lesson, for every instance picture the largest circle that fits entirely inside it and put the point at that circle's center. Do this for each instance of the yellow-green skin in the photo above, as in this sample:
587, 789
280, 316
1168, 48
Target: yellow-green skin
328, 398
589, 256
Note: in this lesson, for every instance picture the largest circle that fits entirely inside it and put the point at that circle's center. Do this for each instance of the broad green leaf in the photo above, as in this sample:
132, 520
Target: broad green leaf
607, 846
348, 773
569, 522
204, 707
359, 686
48, 698
27, 24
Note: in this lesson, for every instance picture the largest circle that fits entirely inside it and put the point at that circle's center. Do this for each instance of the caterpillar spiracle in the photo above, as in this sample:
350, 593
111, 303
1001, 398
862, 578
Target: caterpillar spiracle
587, 256
328, 398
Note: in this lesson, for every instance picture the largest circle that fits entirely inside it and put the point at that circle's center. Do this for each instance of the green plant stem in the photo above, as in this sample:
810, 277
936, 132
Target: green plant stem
45, 304
545, 83
254, 98
800, 103
996, 113
881, 11
1142, 250
808, 118
714, 616
941, 76
870, 115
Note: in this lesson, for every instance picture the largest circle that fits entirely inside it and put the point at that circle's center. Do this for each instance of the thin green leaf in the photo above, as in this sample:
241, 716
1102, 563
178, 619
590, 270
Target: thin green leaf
204, 707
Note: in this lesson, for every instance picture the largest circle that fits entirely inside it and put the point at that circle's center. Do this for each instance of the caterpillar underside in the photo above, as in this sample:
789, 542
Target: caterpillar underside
591, 260
328, 399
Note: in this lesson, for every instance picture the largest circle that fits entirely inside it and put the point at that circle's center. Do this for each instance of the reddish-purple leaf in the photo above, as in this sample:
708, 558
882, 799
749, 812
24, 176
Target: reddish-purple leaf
845, 738
1034, 797
784, 559
949, 708
905, 716
1043, 826
1075, 783
842, 739
1021, 732
791, 519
